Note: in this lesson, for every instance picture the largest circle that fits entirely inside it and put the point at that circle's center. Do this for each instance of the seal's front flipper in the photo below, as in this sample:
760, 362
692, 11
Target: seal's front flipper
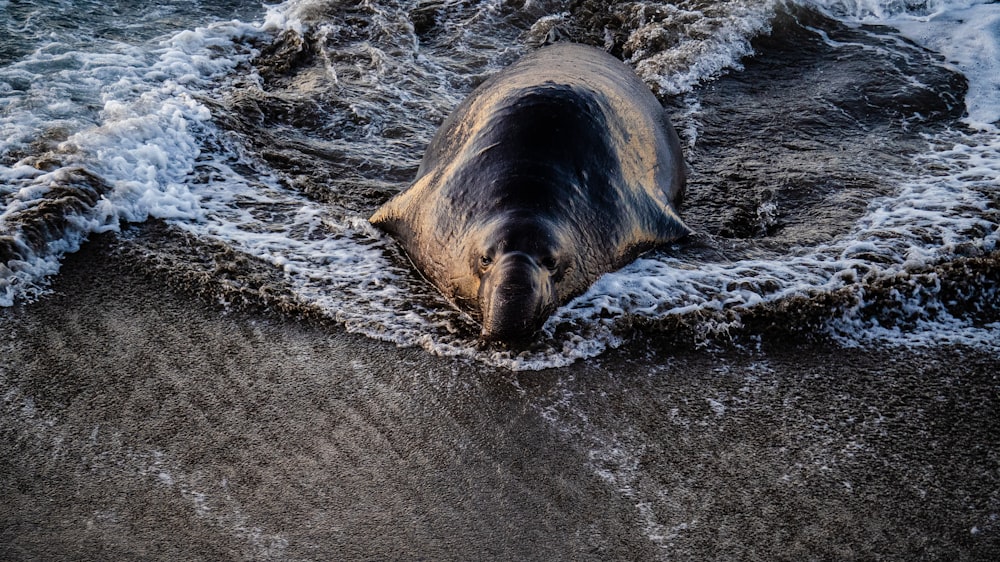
670, 228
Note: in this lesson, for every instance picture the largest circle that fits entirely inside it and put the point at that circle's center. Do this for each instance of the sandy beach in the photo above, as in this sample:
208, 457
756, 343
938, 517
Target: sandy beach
143, 422
237, 365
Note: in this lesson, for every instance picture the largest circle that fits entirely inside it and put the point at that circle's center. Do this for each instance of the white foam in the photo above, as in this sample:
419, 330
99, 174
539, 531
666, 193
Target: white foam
144, 142
712, 41
965, 32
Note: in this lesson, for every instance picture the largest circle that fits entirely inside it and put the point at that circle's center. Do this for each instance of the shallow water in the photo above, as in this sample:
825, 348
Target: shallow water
844, 159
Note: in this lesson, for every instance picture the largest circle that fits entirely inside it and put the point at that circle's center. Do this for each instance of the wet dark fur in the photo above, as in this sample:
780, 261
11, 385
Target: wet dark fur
565, 157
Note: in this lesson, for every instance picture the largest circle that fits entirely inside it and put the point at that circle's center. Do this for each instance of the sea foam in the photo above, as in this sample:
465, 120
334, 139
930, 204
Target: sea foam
142, 142
965, 32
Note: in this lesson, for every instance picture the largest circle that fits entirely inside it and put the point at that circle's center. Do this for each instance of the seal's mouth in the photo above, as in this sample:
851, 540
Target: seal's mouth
516, 297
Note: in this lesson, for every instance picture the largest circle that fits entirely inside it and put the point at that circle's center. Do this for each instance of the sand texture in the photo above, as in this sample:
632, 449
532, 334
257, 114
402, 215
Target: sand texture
140, 422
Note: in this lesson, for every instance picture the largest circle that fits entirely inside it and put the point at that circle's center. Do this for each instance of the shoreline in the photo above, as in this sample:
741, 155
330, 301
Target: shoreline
143, 421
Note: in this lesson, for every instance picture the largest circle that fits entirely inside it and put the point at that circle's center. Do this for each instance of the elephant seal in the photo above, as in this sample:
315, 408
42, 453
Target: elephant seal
556, 170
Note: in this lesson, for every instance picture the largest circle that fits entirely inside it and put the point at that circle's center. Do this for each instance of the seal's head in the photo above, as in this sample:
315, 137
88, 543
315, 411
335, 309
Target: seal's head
520, 263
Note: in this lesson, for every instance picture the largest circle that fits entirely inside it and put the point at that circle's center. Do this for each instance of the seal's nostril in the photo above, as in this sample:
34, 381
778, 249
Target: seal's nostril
515, 298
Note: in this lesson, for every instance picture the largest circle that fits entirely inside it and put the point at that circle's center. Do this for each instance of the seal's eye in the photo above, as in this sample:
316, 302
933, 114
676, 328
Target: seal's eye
485, 261
549, 263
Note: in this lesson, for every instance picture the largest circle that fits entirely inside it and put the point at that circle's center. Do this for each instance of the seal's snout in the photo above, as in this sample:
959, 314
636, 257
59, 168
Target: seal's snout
516, 296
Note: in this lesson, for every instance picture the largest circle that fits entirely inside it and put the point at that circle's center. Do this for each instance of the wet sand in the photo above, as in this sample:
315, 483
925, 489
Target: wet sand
140, 421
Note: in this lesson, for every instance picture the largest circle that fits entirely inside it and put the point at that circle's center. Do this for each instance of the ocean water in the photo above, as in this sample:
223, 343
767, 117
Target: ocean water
844, 157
